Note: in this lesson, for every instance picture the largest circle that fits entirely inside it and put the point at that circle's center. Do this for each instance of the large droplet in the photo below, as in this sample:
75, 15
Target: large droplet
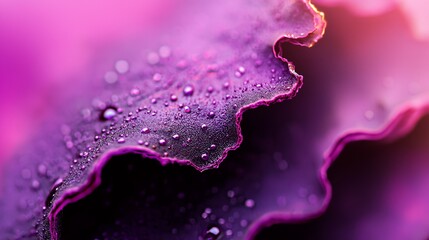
188, 90
122, 66
108, 113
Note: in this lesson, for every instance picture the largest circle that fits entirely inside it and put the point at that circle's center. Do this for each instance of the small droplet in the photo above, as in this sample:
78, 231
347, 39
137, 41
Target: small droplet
121, 140
212, 147
109, 113
176, 136
157, 77
210, 89
110, 77
188, 90
213, 233
162, 142
41, 169
250, 203
145, 130
211, 114
243, 223
230, 193
134, 92
205, 156
173, 98
152, 58
35, 184
122, 66
204, 127
187, 109
164, 52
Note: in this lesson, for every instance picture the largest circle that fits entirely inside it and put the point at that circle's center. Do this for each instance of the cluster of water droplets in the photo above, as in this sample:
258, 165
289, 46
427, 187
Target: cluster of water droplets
176, 106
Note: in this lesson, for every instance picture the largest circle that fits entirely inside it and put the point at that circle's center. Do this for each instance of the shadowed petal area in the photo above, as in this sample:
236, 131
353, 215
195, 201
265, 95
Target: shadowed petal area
178, 98
369, 83
380, 191
178, 202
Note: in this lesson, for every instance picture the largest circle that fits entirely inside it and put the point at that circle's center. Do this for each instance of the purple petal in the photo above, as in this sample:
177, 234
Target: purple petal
380, 191
182, 103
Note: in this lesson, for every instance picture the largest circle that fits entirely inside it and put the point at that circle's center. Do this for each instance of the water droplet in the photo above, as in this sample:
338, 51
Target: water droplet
211, 115
205, 156
157, 77
121, 140
210, 89
140, 142
164, 52
152, 58
212, 147
243, 223
187, 109
176, 136
134, 92
110, 77
41, 169
188, 90
213, 233
226, 85
162, 142
173, 98
145, 130
109, 113
35, 184
204, 127
230, 193
241, 69
122, 66
250, 203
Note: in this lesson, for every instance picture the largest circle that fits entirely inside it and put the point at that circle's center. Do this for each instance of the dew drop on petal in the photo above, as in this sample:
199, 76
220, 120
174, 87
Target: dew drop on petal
134, 92
145, 130
211, 114
164, 52
187, 109
213, 233
173, 98
109, 113
162, 142
250, 203
152, 58
188, 90
122, 66
110, 77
